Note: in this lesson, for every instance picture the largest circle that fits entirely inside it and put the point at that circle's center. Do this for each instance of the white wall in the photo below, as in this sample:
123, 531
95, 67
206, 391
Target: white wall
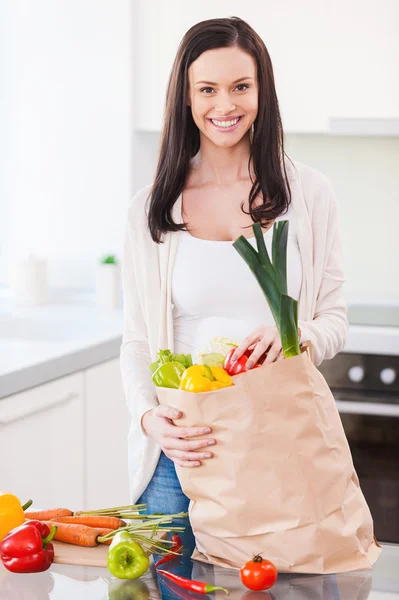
73, 161
3, 121
67, 80
365, 174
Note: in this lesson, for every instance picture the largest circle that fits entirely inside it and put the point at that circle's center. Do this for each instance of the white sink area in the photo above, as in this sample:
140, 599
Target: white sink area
70, 325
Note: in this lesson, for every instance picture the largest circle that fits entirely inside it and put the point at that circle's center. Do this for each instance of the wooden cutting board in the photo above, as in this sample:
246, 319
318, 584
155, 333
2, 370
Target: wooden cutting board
70, 554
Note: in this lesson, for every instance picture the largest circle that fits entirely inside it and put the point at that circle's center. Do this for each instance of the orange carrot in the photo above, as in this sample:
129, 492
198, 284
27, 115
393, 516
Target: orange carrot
70, 533
47, 515
93, 521
104, 531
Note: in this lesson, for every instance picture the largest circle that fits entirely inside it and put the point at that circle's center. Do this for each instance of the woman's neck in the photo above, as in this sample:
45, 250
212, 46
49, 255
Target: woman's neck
218, 166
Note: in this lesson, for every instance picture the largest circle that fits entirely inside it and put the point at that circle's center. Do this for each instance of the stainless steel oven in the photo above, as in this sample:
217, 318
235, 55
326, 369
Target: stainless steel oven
366, 390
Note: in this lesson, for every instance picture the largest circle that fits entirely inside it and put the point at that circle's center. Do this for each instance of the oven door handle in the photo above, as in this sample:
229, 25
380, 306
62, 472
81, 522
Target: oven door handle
367, 408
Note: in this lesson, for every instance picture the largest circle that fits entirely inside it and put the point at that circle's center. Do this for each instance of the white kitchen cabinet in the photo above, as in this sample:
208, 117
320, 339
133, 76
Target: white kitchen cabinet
107, 424
41, 444
330, 60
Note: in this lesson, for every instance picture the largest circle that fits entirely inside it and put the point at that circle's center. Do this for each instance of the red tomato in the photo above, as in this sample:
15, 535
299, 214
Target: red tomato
258, 574
258, 596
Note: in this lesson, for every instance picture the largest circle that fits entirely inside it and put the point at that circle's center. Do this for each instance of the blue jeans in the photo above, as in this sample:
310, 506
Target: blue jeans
164, 495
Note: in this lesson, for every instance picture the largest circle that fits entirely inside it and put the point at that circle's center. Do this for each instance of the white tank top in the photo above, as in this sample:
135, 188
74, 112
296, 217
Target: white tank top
214, 292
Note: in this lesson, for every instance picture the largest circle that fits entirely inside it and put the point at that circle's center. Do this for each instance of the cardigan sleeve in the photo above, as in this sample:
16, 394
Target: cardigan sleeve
328, 330
139, 389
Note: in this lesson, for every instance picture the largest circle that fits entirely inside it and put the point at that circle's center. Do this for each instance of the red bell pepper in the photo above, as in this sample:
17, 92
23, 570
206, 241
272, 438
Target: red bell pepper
240, 365
26, 549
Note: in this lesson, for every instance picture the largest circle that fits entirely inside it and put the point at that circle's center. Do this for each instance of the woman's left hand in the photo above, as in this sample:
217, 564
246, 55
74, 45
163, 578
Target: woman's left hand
263, 339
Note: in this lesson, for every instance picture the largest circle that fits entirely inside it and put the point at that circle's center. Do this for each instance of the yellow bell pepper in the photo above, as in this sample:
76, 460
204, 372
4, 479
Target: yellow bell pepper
11, 513
202, 378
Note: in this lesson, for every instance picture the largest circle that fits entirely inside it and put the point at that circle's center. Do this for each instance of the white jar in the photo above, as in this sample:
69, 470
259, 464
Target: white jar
29, 281
108, 286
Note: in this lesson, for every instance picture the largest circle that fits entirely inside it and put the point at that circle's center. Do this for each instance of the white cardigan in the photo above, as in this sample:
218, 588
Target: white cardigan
148, 323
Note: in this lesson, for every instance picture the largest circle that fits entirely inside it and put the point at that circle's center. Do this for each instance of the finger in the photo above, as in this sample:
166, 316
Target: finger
194, 456
273, 352
167, 411
261, 348
171, 443
280, 356
185, 432
256, 354
187, 463
182, 462
252, 338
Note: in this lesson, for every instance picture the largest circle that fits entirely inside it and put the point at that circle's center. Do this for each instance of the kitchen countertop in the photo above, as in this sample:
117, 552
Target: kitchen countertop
64, 582
79, 335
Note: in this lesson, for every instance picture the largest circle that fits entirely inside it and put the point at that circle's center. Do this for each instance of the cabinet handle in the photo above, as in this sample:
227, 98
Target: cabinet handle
10, 416
368, 408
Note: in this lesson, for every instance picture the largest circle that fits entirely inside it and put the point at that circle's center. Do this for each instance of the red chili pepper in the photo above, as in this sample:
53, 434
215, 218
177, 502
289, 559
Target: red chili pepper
26, 549
201, 587
240, 365
177, 545
177, 592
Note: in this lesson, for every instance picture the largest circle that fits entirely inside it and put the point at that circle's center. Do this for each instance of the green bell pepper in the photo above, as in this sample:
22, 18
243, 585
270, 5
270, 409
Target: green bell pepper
129, 590
126, 558
169, 375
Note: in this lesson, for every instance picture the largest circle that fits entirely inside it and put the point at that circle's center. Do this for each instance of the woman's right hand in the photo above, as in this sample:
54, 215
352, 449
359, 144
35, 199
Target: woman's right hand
157, 423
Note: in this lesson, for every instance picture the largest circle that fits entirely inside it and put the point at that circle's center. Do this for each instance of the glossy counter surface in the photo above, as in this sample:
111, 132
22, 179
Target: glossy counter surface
66, 582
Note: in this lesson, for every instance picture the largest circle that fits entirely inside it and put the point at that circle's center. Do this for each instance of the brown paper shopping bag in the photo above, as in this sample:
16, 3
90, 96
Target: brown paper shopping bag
282, 481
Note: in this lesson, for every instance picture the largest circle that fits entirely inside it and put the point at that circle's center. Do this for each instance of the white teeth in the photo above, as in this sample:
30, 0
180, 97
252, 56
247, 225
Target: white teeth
225, 123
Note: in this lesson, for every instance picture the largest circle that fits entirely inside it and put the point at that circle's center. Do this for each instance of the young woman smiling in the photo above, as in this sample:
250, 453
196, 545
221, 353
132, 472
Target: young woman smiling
221, 167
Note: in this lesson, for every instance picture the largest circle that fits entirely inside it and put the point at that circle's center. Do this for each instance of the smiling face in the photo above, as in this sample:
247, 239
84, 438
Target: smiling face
223, 94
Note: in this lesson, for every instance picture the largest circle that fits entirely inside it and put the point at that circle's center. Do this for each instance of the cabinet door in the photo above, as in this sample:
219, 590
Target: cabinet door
299, 69
332, 60
107, 427
362, 59
329, 60
41, 444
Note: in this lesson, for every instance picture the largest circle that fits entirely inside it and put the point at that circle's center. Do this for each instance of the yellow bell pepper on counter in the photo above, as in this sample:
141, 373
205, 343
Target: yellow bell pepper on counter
11, 513
203, 378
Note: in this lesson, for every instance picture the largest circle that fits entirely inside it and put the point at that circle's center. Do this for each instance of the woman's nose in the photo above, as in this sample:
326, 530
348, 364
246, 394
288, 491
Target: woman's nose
224, 105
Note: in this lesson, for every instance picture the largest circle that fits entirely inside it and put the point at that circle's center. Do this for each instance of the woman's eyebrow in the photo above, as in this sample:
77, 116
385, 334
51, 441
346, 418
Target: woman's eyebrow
213, 83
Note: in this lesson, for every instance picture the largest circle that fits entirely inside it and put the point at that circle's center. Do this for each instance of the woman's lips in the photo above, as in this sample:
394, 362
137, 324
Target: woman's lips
226, 129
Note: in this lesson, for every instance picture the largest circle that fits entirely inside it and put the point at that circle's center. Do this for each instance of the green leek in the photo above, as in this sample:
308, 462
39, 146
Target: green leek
272, 278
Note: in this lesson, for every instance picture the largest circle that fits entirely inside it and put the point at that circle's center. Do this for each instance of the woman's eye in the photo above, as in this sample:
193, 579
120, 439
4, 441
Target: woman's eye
241, 85
208, 88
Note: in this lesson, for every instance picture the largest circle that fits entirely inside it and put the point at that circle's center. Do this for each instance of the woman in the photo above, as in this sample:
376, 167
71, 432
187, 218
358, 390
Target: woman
221, 168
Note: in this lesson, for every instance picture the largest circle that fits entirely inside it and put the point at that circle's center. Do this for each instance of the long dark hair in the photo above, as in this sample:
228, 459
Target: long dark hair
180, 139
